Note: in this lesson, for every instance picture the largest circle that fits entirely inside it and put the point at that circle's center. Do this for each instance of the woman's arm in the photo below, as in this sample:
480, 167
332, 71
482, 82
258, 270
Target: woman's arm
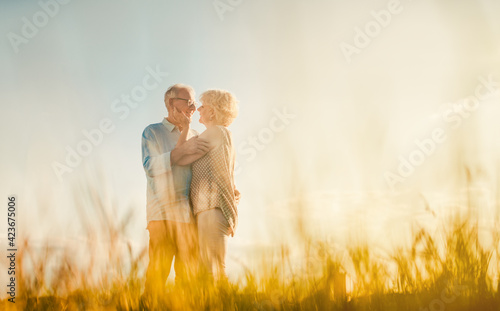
214, 137
193, 145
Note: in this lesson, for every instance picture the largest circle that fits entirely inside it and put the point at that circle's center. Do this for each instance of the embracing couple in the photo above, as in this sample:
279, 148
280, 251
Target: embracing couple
191, 197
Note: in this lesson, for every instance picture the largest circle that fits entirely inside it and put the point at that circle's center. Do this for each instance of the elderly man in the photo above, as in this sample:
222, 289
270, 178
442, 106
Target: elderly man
172, 231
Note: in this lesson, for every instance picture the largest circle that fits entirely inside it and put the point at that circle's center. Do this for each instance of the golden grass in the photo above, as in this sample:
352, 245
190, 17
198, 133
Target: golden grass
451, 272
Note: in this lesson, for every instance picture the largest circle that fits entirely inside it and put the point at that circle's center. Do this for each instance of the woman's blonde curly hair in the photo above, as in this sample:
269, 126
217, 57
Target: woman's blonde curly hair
224, 105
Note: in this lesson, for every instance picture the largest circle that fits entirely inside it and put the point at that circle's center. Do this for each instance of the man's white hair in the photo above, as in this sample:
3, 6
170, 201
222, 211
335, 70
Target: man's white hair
174, 90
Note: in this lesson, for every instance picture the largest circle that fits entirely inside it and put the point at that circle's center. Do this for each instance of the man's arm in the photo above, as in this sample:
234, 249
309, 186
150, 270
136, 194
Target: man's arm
154, 162
237, 196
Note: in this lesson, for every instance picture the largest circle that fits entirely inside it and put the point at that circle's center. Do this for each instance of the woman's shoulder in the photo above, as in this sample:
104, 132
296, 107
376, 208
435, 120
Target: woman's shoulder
225, 133
212, 132
214, 135
224, 129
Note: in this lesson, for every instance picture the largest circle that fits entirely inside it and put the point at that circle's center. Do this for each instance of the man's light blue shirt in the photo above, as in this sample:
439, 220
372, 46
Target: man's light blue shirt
167, 185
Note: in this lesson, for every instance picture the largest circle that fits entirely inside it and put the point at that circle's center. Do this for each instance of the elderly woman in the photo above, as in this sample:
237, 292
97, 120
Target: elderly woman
213, 194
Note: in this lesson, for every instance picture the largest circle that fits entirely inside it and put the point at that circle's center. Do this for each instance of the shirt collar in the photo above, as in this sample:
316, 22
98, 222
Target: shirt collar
170, 127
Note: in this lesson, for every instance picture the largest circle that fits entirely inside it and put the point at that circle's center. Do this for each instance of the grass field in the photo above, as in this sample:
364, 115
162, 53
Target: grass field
451, 270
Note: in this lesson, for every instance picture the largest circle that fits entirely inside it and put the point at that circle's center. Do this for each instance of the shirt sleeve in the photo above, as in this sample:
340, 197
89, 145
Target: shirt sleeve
154, 162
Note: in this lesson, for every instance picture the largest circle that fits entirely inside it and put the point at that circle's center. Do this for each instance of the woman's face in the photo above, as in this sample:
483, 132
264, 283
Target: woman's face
205, 113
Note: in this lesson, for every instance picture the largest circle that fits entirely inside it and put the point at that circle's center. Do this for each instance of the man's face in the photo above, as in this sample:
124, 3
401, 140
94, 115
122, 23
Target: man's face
184, 102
